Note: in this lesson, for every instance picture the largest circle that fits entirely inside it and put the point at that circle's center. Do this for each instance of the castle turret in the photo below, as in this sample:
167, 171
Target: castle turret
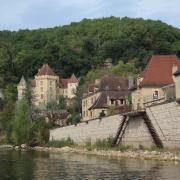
46, 85
21, 88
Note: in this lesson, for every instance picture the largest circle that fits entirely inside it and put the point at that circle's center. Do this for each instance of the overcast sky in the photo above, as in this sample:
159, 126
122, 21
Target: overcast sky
32, 14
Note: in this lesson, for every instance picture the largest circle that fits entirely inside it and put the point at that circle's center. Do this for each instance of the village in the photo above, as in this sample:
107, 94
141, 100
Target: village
113, 104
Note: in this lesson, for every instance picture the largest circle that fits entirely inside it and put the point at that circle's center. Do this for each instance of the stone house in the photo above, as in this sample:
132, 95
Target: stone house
156, 82
47, 87
108, 91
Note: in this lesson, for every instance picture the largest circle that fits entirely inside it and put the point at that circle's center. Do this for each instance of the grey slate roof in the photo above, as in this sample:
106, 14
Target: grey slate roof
22, 82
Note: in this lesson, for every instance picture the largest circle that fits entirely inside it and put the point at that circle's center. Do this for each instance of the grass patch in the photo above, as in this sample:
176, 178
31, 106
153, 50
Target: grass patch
61, 143
106, 144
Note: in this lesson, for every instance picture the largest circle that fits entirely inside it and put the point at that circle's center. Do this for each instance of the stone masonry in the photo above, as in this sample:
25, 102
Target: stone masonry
165, 119
91, 131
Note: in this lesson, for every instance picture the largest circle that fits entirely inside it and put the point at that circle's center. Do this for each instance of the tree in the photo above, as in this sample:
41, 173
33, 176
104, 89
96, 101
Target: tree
6, 120
21, 124
62, 102
122, 69
10, 93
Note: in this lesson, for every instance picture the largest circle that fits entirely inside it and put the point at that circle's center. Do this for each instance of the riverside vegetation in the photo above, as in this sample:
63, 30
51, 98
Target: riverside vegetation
104, 148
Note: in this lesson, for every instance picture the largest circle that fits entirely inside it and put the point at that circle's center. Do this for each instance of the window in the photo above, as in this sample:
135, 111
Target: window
41, 89
112, 102
50, 82
42, 96
155, 95
86, 113
50, 88
122, 101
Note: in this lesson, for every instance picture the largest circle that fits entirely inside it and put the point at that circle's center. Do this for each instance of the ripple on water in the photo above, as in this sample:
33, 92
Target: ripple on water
52, 166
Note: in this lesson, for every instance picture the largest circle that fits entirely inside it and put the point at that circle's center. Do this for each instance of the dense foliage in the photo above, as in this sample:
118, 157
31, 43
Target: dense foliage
79, 47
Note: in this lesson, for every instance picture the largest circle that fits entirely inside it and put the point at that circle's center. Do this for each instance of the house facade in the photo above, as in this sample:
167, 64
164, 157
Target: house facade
106, 92
47, 87
156, 82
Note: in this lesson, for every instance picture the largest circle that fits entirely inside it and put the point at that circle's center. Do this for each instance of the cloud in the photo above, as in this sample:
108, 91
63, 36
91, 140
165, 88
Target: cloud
21, 14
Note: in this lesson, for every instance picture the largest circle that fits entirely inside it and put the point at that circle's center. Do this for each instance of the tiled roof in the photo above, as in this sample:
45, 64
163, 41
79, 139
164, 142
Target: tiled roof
46, 70
158, 72
22, 82
113, 83
73, 79
101, 102
64, 82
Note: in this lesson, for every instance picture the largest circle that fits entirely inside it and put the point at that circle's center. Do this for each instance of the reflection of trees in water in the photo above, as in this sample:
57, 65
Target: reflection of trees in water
16, 165
42, 166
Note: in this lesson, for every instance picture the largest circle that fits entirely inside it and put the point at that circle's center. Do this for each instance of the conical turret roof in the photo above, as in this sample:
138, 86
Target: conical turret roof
46, 70
22, 82
73, 79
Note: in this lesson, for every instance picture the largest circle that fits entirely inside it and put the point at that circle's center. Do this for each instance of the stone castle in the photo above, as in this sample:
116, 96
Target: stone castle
47, 87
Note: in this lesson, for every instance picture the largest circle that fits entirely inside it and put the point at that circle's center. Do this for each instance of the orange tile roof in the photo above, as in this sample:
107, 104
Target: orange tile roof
73, 79
46, 70
158, 72
64, 82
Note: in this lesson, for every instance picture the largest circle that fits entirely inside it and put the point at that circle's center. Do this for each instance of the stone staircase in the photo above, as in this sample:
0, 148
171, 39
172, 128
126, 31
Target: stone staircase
152, 131
121, 131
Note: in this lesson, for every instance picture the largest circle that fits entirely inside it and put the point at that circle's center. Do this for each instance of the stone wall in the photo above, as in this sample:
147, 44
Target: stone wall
137, 133
165, 119
93, 130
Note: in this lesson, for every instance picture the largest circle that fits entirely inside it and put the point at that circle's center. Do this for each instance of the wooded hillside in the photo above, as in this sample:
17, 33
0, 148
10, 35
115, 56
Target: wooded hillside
79, 47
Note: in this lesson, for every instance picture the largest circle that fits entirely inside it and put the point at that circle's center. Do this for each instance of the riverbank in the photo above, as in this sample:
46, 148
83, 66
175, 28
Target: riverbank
161, 155
136, 154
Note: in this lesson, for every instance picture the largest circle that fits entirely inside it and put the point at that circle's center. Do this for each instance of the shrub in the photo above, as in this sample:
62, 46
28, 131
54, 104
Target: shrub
39, 133
88, 145
61, 143
104, 144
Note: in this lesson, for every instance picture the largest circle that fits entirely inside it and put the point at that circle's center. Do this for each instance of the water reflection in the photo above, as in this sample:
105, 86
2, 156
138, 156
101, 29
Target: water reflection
42, 166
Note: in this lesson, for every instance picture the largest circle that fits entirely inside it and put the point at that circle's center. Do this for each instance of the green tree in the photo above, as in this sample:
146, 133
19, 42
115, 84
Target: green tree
10, 93
124, 69
62, 102
6, 120
21, 124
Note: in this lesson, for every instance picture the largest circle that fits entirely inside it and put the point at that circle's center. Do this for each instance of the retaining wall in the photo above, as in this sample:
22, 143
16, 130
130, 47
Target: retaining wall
93, 130
165, 119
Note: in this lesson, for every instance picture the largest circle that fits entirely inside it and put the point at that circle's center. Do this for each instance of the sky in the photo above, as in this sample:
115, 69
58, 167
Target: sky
33, 14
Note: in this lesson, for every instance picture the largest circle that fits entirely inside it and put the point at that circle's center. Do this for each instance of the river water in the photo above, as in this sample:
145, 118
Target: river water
41, 166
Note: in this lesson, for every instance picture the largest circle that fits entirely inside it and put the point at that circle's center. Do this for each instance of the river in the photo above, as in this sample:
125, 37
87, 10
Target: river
51, 166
